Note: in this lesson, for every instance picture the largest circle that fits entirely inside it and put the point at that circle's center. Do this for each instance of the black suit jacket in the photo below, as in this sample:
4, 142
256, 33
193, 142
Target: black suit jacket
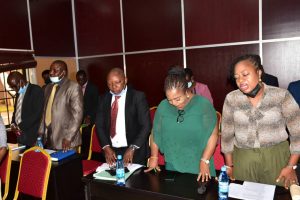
270, 80
137, 121
90, 101
31, 114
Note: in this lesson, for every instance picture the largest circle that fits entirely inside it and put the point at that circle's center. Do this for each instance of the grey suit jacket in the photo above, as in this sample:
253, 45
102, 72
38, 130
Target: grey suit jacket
67, 113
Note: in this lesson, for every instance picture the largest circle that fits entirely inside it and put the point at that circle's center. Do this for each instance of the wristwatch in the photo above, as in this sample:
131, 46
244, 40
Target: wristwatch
133, 147
292, 166
204, 160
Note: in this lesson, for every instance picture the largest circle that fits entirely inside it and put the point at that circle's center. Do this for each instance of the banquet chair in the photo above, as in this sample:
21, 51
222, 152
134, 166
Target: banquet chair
161, 158
79, 148
5, 167
89, 165
34, 173
218, 156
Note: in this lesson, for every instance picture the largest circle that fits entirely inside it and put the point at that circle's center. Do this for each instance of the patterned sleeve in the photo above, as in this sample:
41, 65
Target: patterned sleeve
227, 134
3, 137
291, 113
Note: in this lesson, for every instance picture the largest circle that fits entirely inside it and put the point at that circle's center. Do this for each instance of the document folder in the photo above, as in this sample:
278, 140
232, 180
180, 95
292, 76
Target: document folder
59, 155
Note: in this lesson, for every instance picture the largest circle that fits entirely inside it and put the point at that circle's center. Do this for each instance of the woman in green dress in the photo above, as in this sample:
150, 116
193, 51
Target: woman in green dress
184, 130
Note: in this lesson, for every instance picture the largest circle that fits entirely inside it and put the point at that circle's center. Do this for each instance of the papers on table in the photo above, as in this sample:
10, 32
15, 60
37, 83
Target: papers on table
15, 147
104, 175
252, 191
295, 192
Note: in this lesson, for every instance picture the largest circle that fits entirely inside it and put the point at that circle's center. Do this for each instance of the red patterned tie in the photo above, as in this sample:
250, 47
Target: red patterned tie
113, 116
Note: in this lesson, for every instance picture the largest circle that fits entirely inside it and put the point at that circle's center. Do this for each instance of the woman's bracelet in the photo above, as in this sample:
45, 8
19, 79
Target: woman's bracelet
154, 157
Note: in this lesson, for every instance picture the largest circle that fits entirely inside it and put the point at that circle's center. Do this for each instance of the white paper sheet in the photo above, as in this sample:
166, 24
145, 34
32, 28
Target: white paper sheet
252, 191
15, 147
295, 192
103, 175
130, 167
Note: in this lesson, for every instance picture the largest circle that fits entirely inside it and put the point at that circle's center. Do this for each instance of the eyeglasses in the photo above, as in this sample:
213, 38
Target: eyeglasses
180, 118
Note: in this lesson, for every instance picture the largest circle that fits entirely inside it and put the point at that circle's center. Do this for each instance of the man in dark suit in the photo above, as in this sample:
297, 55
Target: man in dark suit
123, 121
270, 79
90, 102
28, 109
267, 78
294, 88
46, 77
90, 97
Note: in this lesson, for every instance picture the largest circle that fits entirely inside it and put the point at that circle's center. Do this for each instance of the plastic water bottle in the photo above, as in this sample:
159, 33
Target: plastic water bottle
120, 172
223, 184
39, 143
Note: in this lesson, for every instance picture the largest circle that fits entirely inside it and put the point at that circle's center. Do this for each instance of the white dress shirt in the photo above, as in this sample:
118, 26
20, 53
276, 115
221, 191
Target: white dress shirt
119, 140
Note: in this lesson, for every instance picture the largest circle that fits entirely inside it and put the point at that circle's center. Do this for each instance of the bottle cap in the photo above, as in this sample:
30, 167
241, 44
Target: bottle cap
119, 157
224, 168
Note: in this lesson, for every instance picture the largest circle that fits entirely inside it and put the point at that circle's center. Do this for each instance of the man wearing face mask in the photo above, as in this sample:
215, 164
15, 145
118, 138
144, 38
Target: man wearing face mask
63, 110
28, 108
123, 121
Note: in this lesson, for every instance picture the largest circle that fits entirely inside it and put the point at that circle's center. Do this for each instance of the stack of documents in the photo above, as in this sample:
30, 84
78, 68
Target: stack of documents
252, 191
104, 175
295, 192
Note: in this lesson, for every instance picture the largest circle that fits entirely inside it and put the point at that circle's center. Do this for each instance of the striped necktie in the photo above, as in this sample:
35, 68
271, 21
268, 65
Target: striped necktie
49, 106
19, 109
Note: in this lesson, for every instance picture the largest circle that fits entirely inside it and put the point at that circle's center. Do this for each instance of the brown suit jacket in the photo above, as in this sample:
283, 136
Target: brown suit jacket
67, 113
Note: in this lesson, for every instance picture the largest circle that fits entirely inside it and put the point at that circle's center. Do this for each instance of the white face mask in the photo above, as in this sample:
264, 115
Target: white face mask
190, 83
120, 94
55, 79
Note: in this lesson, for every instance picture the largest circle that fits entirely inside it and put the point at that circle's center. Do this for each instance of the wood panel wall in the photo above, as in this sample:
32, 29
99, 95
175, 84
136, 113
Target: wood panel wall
214, 32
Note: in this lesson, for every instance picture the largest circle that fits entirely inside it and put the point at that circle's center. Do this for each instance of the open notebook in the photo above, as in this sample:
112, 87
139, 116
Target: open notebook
104, 175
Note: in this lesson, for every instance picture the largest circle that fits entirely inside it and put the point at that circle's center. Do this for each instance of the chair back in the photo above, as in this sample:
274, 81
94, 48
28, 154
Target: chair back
94, 143
34, 173
5, 167
152, 113
218, 156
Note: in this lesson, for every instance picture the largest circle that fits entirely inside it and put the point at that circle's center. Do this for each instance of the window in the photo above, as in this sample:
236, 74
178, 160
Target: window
7, 96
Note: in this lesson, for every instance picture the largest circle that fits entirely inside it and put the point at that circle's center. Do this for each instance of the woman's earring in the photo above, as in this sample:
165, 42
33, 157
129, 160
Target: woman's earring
188, 96
260, 80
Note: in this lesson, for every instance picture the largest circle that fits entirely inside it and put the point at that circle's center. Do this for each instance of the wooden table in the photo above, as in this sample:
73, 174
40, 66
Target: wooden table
150, 186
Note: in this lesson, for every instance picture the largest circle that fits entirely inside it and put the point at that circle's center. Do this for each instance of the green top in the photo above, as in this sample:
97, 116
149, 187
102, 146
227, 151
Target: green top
183, 143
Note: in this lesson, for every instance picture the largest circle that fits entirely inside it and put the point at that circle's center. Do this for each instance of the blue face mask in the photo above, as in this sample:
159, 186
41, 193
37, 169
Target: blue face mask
22, 90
